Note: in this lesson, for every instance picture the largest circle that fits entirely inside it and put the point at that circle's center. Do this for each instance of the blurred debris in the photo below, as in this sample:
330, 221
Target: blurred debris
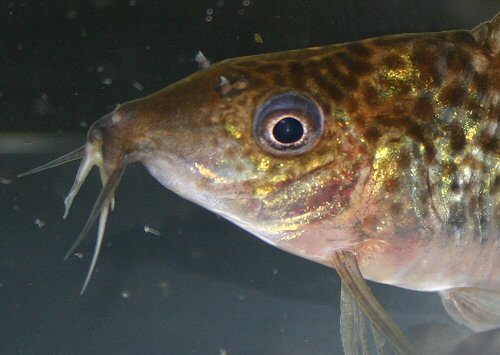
203, 62
153, 231
40, 223
5, 181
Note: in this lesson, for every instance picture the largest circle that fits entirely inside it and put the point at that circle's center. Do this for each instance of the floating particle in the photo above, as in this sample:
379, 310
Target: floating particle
203, 62
196, 254
125, 294
246, 2
5, 181
258, 38
71, 13
164, 288
223, 352
107, 81
79, 255
138, 86
210, 11
132, 3
40, 223
153, 231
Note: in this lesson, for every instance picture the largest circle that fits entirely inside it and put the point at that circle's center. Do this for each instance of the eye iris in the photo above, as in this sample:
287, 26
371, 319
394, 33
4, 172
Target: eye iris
288, 130
288, 124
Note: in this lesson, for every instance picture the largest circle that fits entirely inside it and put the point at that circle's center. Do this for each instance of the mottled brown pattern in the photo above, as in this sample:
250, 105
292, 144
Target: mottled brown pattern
417, 112
359, 49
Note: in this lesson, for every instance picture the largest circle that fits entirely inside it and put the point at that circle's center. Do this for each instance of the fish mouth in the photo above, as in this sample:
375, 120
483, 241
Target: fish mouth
111, 170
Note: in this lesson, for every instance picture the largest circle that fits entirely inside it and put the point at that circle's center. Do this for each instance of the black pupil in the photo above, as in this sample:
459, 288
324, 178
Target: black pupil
288, 130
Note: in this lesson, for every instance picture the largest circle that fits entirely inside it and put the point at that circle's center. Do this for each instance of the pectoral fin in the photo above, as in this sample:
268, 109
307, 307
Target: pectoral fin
357, 296
476, 308
355, 327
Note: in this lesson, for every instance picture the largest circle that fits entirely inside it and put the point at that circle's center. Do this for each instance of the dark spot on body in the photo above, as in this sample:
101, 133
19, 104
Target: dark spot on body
385, 120
344, 81
351, 104
231, 153
280, 79
475, 107
359, 49
326, 62
462, 37
295, 68
496, 185
392, 185
329, 87
453, 94
354, 66
455, 186
348, 82
404, 160
424, 108
297, 74
490, 144
480, 82
427, 60
420, 132
457, 137
396, 209
267, 68
324, 104
341, 55
393, 61
370, 95
372, 134
458, 60
213, 142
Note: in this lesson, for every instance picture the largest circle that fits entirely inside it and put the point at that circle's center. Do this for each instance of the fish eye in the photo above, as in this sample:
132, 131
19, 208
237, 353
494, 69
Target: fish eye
288, 124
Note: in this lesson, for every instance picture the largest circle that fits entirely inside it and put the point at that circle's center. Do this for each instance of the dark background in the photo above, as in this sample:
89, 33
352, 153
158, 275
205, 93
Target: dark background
203, 286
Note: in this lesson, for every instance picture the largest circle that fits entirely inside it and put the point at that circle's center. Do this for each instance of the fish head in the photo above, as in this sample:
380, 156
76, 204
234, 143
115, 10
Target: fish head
247, 140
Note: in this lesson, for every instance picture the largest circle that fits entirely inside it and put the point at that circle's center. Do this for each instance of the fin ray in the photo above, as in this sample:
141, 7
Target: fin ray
476, 308
347, 266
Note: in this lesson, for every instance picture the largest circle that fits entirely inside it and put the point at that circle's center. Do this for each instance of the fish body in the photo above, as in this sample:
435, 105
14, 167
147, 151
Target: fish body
406, 170
386, 149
